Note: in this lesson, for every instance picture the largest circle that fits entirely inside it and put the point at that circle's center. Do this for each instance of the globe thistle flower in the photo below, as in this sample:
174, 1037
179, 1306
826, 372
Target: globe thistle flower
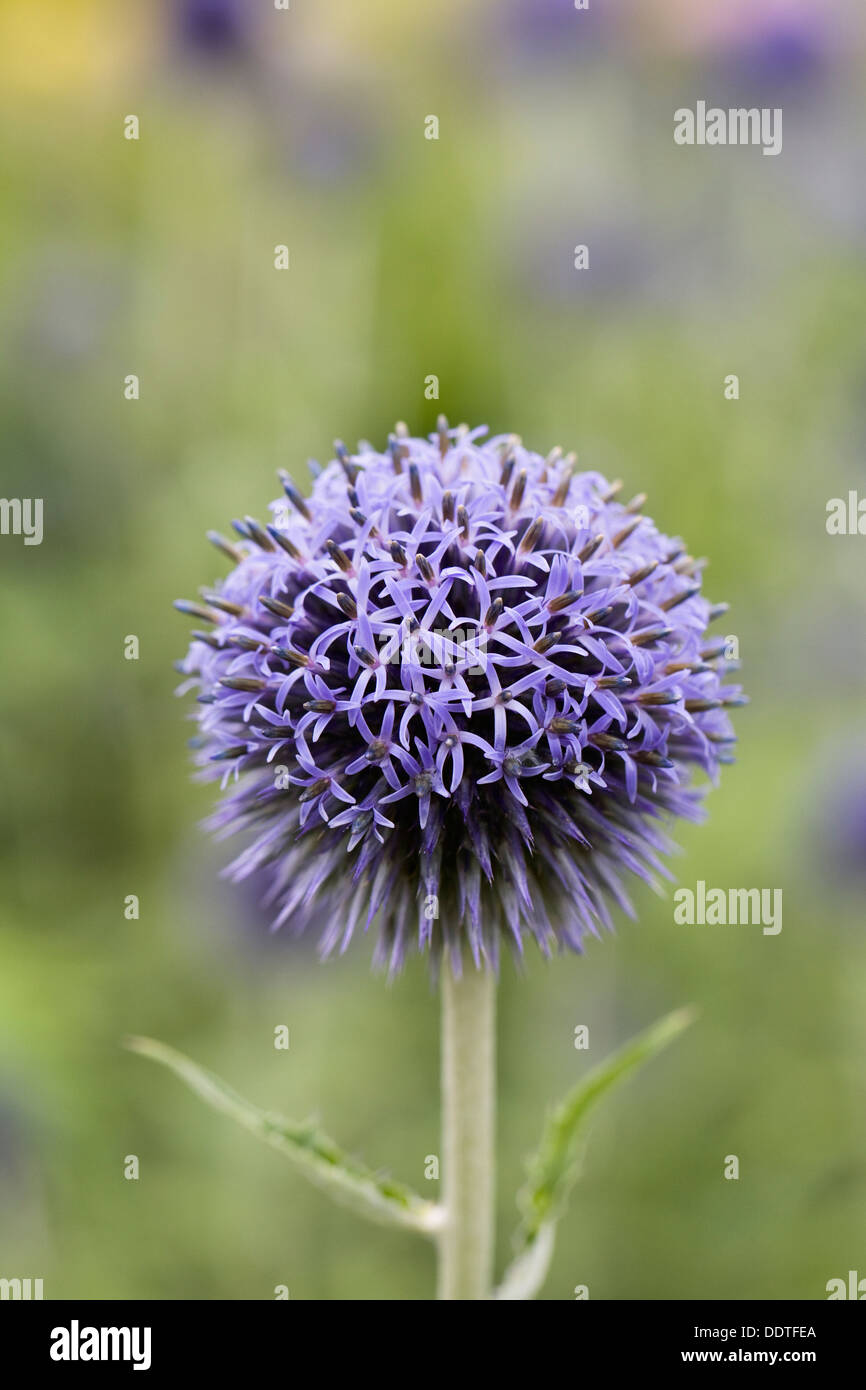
457, 691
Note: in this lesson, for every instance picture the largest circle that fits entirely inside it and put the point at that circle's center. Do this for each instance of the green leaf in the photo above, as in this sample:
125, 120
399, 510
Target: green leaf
554, 1169
319, 1158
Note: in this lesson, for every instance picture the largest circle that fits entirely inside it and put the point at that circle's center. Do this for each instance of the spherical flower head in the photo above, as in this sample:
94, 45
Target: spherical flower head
457, 691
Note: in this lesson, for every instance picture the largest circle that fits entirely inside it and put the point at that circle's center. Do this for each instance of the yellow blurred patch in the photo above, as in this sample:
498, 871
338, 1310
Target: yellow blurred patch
52, 47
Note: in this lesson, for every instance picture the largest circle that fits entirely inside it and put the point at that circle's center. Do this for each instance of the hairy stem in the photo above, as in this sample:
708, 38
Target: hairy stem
468, 1122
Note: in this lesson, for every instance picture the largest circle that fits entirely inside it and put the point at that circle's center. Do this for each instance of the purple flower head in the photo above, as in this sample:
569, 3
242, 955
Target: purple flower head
212, 28
456, 691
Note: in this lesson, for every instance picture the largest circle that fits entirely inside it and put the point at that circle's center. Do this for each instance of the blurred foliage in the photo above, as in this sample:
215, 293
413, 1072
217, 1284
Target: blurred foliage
411, 257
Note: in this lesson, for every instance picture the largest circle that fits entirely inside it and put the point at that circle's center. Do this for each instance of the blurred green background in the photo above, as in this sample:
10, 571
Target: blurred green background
412, 257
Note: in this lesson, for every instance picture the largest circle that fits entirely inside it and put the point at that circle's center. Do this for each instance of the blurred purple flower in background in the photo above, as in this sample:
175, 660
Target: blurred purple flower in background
321, 122
622, 261
331, 130
788, 32
548, 30
785, 54
840, 828
213, 28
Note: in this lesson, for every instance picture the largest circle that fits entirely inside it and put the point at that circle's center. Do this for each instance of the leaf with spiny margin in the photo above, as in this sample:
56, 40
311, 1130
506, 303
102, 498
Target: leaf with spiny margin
321, 1160
554, 1169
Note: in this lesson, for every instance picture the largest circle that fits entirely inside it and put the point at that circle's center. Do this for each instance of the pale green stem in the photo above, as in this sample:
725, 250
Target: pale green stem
468, 1124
